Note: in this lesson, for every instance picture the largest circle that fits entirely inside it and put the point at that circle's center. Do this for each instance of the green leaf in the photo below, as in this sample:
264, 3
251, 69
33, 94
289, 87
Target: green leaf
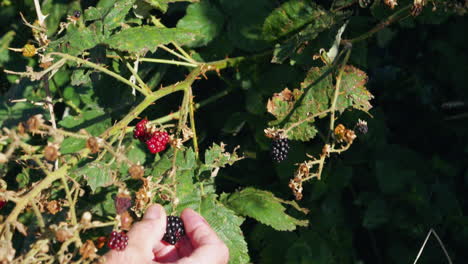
117, 14
164, 4
93, 121
246, 21
292, 16
204, 21
148, 38
296, 43
291, 108
264, 207
72, 145
217, 157
80, 77
353, 92
77, 40
97, 174
4, 44
227, 225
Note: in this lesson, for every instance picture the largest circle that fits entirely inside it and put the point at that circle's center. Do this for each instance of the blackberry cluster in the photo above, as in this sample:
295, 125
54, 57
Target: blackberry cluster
155, 142
279, 149
362, 128
117, 240
140, 131
174, 230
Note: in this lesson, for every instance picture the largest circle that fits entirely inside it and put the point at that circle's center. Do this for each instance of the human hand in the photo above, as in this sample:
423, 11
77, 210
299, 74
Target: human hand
199, 245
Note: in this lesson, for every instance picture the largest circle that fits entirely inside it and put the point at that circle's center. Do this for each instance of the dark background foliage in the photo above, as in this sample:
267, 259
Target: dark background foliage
376, 202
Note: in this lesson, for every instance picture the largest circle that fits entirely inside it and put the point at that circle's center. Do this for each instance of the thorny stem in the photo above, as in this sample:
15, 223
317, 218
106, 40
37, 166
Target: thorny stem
309, 118
176, 54
182, 51
337, 92
71, 202
192, 123
398, 15
174, 62
38, 214
137, 77
102, 69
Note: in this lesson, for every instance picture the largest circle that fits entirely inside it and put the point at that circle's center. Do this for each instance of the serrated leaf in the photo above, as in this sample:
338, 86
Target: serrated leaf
217, 157
4, 44
80, 77
227, 225
117, 14
297, 22
147, 38
72, 145
93, 121
164, 4
97, 174
294, 44
78, 40
246, 22
264, 207
353, 92
204, 20
292, 16
292, 107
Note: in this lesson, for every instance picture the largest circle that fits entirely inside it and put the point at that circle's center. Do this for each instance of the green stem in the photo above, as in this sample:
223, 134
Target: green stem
337, 92
174, 62
102, 69
192, 123
182, 51
71, 202
390, 20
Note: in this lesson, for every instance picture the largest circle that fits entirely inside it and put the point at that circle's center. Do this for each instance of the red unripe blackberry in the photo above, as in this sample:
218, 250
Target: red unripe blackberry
174, 230
140, 131
2, 203
279, 149
117, 240
157, 142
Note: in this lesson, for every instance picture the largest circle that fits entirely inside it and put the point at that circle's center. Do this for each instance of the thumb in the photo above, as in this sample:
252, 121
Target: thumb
142, 238
147, 233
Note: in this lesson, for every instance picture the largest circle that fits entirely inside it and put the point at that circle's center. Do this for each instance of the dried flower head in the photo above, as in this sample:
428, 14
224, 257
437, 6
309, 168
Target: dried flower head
34, 123
88, 250
93, 144
53, 207
126, 220
136, 171
51, 152
349, 136
62, 234
340, 131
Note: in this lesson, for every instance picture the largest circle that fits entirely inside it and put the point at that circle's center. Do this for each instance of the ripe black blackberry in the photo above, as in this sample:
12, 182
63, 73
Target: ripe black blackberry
279, 149
174, 230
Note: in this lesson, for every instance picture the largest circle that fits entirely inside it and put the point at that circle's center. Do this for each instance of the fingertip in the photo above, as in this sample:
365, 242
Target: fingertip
155, 212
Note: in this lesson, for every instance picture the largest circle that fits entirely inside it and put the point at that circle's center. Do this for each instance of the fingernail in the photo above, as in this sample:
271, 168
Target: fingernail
153, 212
